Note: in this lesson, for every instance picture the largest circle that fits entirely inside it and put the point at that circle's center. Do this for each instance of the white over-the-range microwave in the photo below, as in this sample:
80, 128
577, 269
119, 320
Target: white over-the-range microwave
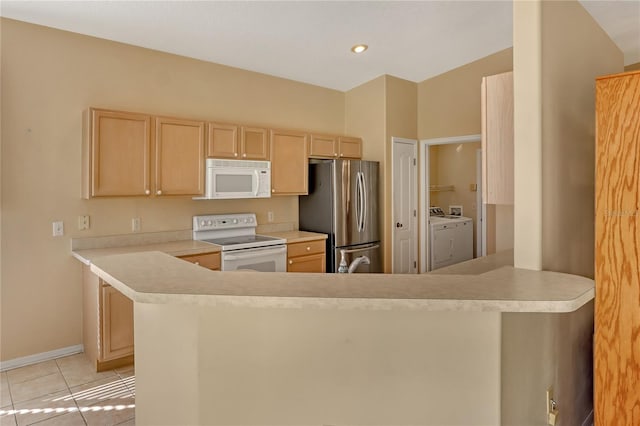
236, 179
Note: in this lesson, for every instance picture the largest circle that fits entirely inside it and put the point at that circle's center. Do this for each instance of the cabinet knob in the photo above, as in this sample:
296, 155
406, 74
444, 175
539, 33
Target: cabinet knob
196, 263
273, 190
290, 262
341, 155
159, 192
235, 154
244, 155
147, 192
308, 248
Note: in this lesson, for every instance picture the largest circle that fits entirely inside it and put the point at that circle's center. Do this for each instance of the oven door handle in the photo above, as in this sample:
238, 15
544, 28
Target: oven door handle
252, 253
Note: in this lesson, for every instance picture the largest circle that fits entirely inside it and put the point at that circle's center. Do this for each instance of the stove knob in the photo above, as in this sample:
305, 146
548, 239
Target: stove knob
209, 223
203, 223
235, 221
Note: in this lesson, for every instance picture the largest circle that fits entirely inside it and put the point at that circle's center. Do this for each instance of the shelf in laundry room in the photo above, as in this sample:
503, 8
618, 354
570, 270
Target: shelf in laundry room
442, 188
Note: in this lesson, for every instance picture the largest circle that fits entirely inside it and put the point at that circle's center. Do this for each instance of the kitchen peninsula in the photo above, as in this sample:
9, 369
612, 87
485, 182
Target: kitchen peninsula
286, 348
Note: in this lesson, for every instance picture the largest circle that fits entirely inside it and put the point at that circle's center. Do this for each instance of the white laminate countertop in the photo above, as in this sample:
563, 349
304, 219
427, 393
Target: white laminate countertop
173, 248
155, 277
172, 243
297, 236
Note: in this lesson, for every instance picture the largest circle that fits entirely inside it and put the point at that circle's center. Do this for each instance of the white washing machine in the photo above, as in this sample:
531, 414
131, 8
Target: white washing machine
451, 239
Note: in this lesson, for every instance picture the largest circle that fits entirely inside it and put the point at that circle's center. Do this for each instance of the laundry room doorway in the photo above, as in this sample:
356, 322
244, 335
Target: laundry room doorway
451, 181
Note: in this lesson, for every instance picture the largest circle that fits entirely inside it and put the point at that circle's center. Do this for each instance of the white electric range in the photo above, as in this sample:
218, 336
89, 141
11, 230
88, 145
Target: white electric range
241, 247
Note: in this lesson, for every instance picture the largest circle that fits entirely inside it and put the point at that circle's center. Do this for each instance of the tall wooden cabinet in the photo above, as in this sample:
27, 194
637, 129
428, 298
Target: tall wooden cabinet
497, 138
617, 251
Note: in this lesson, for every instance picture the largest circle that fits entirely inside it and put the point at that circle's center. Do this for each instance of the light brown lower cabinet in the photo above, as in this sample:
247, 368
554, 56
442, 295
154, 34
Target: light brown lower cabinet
206, 260
107, 324
307, 256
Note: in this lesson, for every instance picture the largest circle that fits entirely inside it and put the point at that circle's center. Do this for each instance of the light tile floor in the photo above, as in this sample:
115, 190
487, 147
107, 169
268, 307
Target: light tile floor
67, 391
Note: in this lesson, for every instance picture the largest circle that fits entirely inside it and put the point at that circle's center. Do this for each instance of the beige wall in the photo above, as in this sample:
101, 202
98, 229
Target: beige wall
558, 51
554, 133
568, 132
48, 78
449, 104
541, 350
633, 67
316, 366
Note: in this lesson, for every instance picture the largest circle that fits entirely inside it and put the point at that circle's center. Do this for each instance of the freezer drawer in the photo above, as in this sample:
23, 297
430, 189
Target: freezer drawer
372, 251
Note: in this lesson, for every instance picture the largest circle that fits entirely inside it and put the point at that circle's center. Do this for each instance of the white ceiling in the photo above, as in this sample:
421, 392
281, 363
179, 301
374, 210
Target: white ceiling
310, 41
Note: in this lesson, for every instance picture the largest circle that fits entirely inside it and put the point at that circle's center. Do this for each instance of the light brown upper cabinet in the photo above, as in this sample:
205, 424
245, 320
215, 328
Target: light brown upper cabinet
179, 157
240, 143
116, 154
327, 146
349, 147
497, 138
289, 163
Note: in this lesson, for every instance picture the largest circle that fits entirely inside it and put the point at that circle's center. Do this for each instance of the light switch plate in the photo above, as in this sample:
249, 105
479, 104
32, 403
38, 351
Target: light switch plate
58, 229
135, 224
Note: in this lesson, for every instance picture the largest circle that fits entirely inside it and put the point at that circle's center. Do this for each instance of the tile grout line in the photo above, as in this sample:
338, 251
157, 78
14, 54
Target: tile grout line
13, 408
70, 392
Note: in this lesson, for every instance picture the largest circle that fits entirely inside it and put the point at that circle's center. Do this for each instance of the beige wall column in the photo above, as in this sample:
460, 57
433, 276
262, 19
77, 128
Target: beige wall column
527, 126
559, 50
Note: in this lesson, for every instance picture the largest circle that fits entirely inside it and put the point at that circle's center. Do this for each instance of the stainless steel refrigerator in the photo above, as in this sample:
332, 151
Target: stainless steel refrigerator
343, 203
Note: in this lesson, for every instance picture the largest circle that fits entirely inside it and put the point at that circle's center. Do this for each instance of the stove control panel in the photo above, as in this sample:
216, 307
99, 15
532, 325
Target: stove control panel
224, 221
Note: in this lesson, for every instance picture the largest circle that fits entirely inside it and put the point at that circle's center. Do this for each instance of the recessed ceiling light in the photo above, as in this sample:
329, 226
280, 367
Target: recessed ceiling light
359, 48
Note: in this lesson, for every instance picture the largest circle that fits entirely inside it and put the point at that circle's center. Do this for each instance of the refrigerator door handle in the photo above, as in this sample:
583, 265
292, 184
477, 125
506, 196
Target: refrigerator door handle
375, 246
360, 201
364, 202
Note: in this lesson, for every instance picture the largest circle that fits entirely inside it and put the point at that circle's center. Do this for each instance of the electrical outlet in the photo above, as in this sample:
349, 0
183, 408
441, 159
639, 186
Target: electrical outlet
552, 408
269, 216
83, 222
58, 229
135, 224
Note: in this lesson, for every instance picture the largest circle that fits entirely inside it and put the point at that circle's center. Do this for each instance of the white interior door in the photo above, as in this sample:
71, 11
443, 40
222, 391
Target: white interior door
405, 196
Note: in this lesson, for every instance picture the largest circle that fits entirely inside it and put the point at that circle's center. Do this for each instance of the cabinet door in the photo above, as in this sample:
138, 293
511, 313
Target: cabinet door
497, 139
288, 163
117, 324
179, 148
617, 237
311, 263
254, 144
350, 147
206, 260
323, 146
118, 154
222, 140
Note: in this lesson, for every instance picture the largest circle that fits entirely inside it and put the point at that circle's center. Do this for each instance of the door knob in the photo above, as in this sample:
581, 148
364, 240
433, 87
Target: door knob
398, 225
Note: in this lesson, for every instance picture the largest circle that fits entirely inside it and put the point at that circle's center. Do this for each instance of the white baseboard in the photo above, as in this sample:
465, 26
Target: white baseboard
589, 420
44, 356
